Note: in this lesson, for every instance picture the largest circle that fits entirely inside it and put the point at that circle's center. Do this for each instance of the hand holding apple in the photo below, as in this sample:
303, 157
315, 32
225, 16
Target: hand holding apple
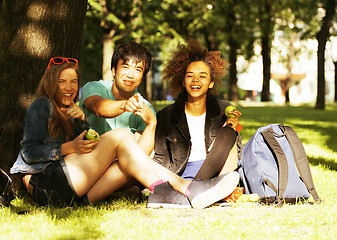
230, 109
92, 135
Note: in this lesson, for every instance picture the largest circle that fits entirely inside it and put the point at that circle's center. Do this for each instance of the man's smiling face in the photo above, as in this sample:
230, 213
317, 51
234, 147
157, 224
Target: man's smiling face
128, 75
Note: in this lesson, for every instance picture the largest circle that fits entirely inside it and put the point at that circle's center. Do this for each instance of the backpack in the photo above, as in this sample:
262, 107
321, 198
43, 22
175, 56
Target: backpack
6, 192
275, 166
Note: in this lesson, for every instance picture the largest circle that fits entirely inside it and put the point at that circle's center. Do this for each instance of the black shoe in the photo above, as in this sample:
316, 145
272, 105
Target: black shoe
165, 196
207, 192
6, 192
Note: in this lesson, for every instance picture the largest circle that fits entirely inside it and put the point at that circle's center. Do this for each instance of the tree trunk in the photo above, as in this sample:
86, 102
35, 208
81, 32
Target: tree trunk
32, 32
233, 88
233, 45
320, 101
143, 87
335, 63
265, 95
291, 55
322, 37
108, 46
267, 30
108, 43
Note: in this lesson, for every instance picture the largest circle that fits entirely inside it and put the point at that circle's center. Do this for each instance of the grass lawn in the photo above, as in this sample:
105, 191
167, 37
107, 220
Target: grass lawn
129, 219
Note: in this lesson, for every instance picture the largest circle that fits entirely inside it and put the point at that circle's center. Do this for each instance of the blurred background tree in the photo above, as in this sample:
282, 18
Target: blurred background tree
235, 28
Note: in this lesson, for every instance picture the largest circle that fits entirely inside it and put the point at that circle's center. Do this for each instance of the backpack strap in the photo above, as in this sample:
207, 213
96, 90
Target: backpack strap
275, 147
301, 160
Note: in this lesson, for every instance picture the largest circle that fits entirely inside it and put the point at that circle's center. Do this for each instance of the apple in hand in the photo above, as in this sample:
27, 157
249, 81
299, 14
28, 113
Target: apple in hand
230, 109
92, 135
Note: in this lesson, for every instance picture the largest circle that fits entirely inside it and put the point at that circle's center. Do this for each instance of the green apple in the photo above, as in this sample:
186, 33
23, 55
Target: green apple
230, 109
92, 135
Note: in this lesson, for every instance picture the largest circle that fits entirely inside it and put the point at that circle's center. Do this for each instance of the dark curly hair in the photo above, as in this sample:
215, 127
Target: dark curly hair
175, 68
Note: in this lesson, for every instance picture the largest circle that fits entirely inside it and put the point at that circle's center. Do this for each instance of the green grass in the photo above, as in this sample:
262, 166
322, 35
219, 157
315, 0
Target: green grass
127, 219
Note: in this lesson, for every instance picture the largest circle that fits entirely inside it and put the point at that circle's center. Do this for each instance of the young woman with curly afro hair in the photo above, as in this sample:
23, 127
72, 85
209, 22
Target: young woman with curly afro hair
194, 138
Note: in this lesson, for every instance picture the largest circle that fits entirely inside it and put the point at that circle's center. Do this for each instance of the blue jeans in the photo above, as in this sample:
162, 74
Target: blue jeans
192, 168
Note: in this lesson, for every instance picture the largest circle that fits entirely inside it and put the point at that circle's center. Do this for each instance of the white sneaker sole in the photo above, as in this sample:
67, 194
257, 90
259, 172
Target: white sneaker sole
167, 205
225, 187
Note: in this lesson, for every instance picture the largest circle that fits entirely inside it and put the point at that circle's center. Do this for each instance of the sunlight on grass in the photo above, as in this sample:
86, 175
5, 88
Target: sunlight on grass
128, 219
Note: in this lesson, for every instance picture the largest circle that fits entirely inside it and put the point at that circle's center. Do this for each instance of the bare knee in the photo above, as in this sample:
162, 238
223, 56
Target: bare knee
119, 135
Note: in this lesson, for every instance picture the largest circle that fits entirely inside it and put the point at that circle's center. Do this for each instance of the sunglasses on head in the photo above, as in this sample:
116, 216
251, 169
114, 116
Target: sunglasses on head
60, 60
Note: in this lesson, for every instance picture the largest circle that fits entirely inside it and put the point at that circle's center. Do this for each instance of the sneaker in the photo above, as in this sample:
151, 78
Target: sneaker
165, 196
204, 193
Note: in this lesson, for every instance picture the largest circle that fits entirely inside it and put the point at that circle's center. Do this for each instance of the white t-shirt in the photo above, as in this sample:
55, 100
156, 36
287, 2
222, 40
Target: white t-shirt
196, 126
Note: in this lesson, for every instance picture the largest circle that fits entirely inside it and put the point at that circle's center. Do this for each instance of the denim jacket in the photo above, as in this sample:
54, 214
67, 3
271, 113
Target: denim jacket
172, 139
38, 149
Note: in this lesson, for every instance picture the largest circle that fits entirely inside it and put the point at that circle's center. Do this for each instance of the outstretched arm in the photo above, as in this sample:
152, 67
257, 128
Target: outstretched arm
102, 107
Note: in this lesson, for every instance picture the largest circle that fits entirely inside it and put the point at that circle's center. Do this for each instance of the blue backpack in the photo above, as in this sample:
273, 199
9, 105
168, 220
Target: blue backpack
275, 166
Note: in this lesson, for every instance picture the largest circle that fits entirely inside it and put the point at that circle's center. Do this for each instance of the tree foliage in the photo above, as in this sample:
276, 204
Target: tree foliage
233, 27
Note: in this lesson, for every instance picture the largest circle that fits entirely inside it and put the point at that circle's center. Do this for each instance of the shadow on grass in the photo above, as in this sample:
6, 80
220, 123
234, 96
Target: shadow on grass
86, 232
331, 132
321, 161
76, 216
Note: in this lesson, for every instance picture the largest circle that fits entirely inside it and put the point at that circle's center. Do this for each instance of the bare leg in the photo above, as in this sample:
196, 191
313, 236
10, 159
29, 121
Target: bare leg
112, 179
86, 170
177, 182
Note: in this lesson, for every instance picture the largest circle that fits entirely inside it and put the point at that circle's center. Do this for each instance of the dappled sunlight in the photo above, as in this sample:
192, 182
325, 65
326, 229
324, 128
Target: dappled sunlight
309, 136
41, 11
31, 39
309, 123
25, 100
37, 11
316, 152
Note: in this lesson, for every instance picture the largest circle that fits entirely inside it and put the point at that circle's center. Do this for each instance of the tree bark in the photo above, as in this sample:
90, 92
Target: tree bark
108, 46
32, 32
266, 59
291, 55
322, 37
335, 63
108, 43
233, 45
233, 88
267, 30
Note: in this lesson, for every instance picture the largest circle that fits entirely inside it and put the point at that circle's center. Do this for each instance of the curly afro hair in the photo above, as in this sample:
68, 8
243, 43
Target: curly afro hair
175, 68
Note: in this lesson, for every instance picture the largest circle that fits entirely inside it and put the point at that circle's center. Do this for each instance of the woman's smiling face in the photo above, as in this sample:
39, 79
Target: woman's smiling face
68, 84
197, 80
